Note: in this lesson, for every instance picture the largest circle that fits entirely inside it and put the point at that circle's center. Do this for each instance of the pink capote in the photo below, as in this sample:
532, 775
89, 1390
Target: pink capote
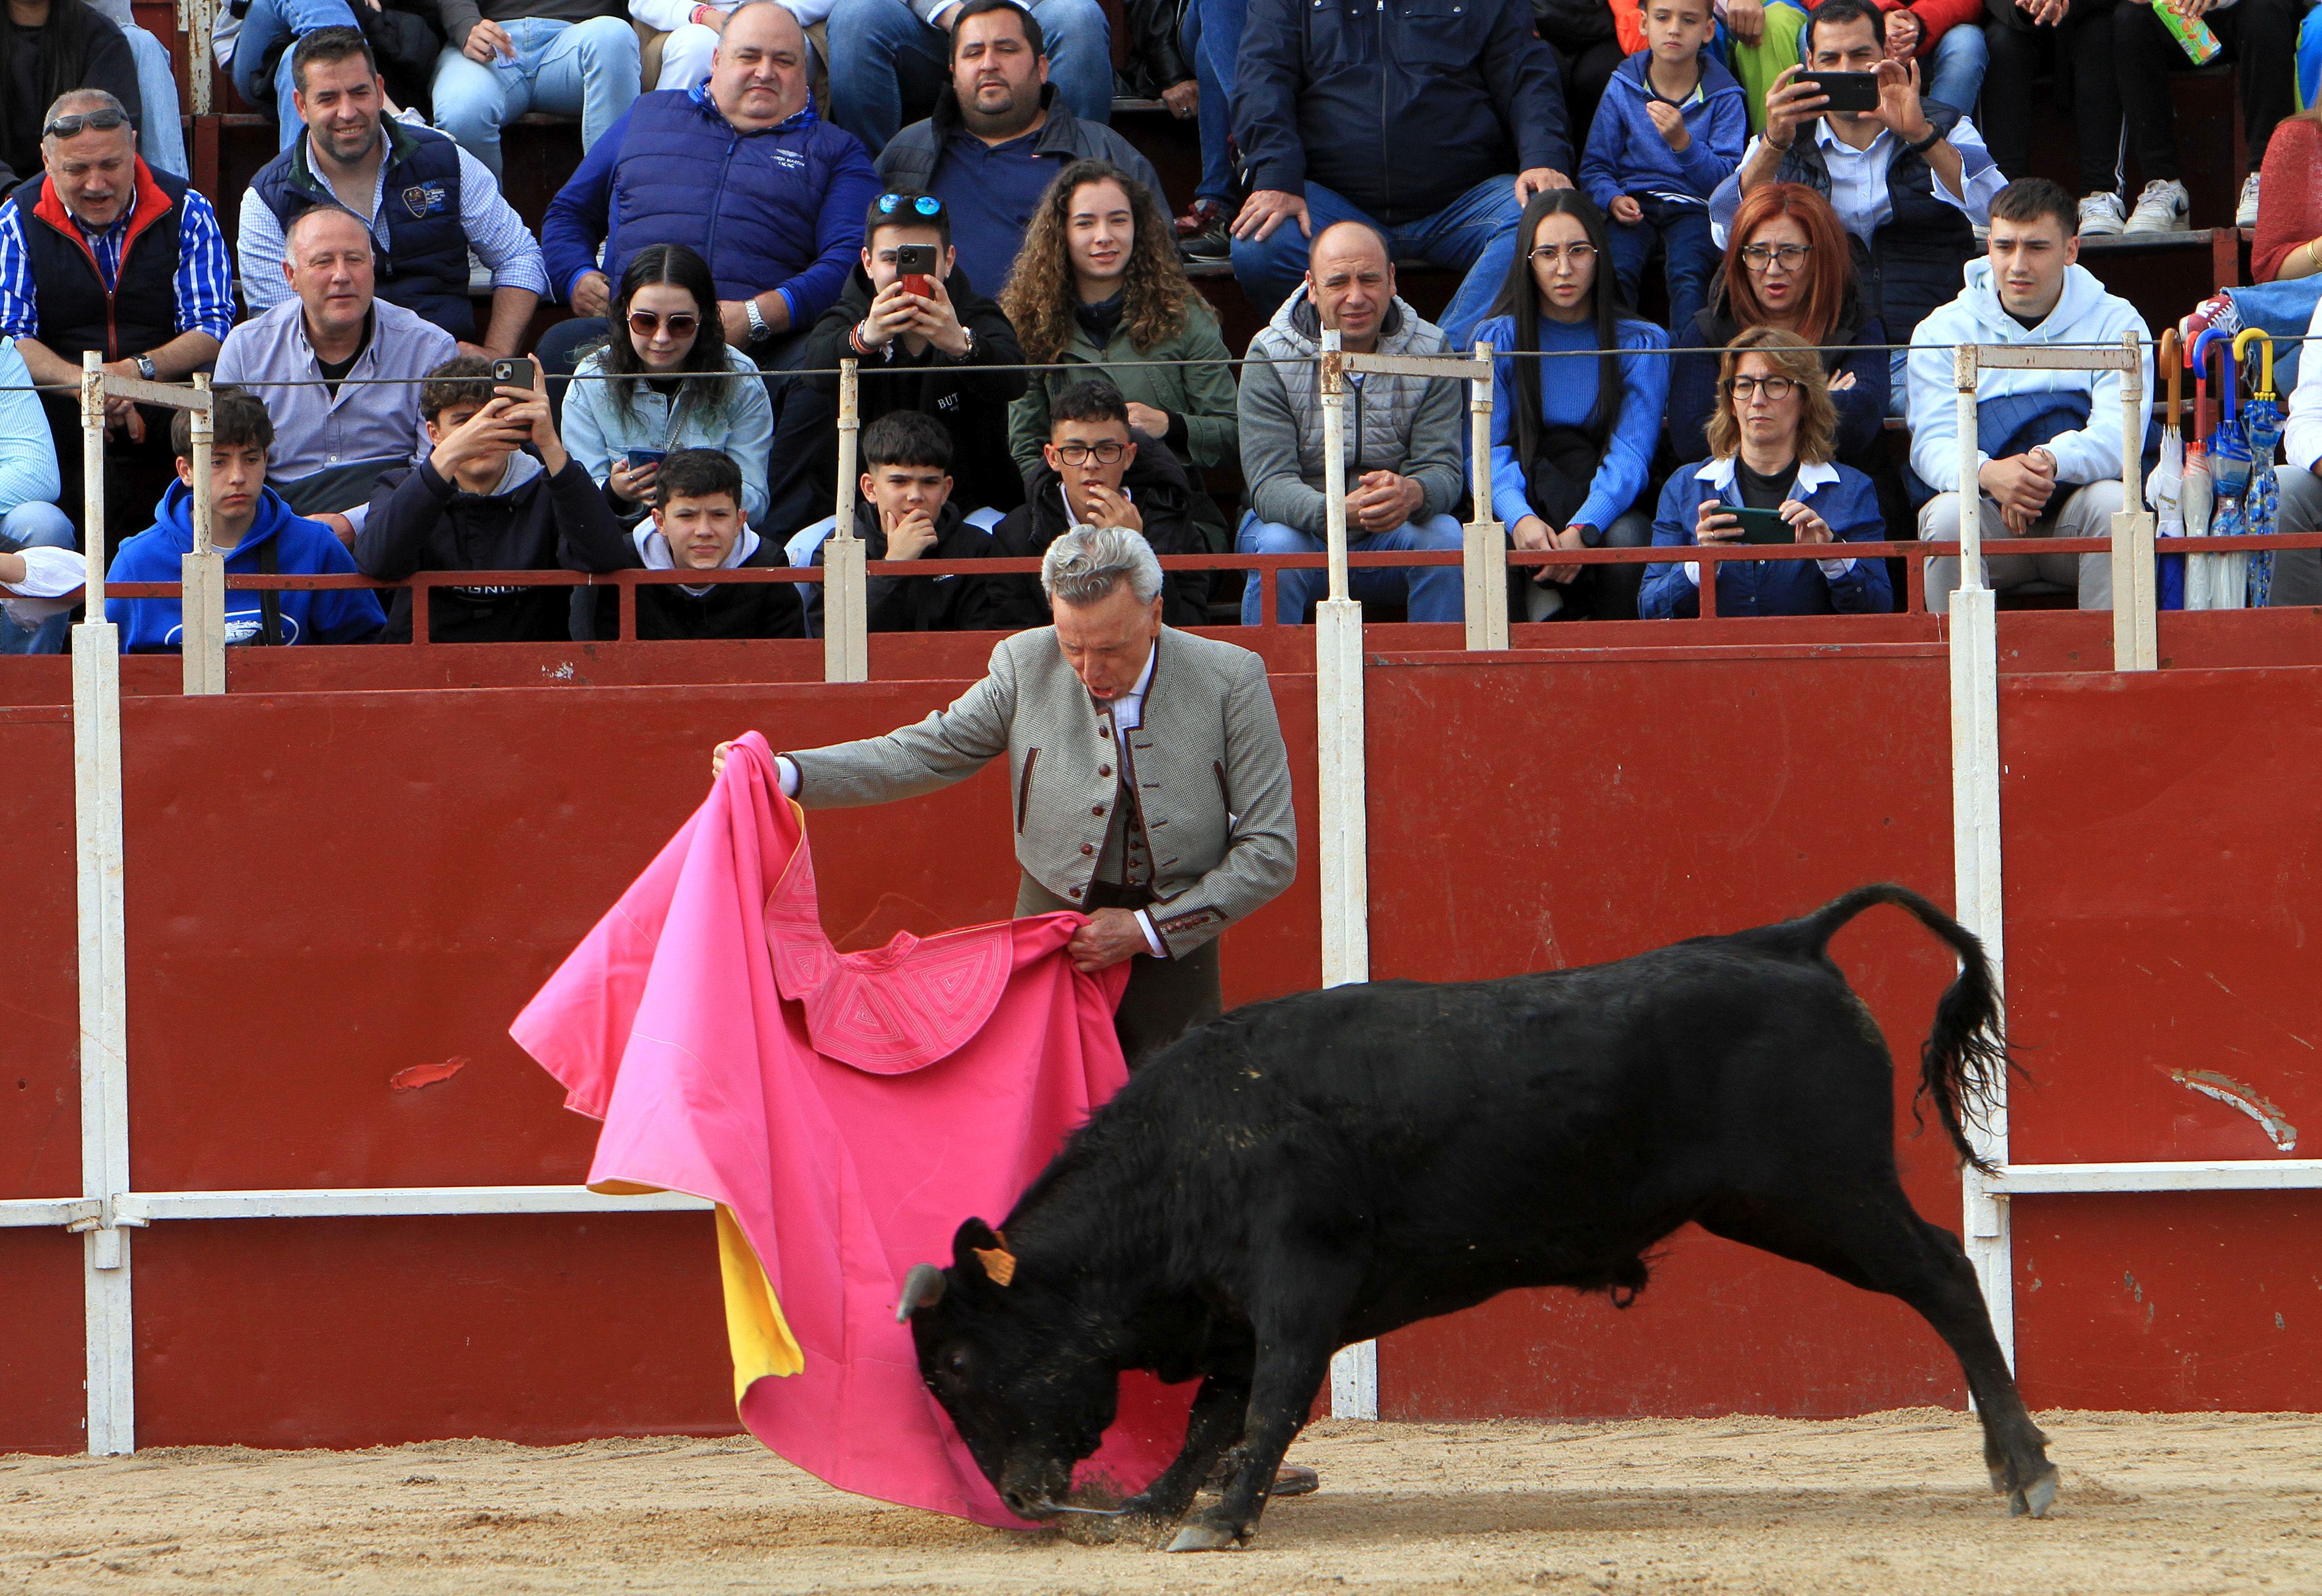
849, 1110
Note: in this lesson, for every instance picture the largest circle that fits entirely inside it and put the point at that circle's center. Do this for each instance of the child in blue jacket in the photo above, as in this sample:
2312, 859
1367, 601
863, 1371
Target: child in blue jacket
256, 532
1670, 128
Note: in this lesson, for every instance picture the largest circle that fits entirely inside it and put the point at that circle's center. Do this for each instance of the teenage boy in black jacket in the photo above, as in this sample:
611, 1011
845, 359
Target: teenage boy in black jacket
697, 524
482, 501
1097, 473
906, 512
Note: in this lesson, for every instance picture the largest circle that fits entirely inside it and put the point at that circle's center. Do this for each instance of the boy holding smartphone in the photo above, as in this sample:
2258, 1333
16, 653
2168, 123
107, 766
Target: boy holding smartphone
1668, 132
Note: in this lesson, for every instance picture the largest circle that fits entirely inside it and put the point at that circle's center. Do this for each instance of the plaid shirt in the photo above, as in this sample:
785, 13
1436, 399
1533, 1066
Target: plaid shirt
204, 280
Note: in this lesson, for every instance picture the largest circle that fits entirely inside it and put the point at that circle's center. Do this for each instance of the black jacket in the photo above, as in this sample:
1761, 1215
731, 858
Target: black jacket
971, 401
1162, 494
724, 610
922, 603
420, 522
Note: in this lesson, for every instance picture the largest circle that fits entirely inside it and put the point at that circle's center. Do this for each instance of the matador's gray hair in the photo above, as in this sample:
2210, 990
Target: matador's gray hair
1089, 561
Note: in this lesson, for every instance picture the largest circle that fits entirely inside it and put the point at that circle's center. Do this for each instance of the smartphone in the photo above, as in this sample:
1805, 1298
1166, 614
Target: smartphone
915, 269
639, 459
1763, 526
512, 374
1848, 91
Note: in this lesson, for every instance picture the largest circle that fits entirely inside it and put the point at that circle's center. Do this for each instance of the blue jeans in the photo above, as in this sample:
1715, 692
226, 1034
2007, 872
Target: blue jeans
1211, 38
1430, 592
1689, 259
271, 23
1474, 234
585, 69
886, 64
35, 525
1954, 72
161, 141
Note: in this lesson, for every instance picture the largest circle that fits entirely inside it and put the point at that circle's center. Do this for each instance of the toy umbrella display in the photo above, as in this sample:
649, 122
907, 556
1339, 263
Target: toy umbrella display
2229, 472
2196, 495
2260, 431
2165, 485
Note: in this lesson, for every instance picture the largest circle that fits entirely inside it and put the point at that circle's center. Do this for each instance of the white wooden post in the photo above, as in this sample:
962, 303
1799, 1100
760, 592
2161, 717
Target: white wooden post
202, 599
845, 591
1975, 848
104, 961
1342, 847
197, 17
2135, 597
1485, 561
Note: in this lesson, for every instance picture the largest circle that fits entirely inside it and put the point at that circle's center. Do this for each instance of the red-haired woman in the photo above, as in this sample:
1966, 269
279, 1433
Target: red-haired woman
1787, 267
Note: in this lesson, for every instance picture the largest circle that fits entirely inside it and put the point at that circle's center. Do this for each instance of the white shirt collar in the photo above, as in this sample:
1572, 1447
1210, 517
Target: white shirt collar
1829, 139
1720, 475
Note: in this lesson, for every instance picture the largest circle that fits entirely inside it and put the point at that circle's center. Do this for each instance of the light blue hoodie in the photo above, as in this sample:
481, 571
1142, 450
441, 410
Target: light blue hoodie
599, 429
2085, 315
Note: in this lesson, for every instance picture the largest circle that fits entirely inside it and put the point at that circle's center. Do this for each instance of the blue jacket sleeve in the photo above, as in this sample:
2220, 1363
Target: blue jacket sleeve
580, 218
837, 236
1668, 591
1708, 163
1509, 502
1269, 71
28, 457
1862, 409
1692, 396
1854, 517
1600, 161
1521, 72
1629, 450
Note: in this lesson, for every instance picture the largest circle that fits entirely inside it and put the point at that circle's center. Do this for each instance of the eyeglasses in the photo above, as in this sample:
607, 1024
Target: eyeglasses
1579, 255
104, 117
644, 324
1107, 452
1758, 257
927, 204
1775, 389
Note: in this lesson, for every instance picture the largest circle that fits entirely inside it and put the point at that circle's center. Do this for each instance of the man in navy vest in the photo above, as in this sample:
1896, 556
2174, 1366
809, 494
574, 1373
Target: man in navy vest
740, 170
100, 251
427, 202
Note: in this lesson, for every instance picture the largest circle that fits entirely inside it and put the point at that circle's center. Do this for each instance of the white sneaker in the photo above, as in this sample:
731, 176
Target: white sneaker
2163, 208
2246, 213
2101, 216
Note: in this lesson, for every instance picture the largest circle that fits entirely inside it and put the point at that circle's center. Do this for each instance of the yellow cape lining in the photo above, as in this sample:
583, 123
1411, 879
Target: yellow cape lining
756, 1333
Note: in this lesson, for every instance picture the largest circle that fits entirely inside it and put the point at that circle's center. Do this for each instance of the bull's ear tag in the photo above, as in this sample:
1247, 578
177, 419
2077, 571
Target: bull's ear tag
998, 1261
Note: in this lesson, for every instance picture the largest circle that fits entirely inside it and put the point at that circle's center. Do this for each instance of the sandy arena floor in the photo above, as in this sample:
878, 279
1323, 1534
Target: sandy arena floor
2152, 1505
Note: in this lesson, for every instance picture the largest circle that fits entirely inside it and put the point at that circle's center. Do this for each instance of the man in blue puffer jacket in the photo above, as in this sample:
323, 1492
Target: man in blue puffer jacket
740, 170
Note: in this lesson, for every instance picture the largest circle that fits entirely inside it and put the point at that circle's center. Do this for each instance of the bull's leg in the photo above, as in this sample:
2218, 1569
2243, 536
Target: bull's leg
1213, 1425
1881, 1244
1289, 1370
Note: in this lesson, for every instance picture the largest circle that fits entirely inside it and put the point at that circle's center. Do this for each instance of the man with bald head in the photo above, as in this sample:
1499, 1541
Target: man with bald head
338, 370
100, 251
738, 169
1403, 438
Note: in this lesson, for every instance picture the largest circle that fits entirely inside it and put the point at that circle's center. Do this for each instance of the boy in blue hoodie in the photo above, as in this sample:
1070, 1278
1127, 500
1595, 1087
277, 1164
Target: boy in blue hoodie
1670, 129
256, 532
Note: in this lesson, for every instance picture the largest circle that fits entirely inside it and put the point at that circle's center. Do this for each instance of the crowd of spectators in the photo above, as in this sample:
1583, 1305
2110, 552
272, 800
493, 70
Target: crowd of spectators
931, 190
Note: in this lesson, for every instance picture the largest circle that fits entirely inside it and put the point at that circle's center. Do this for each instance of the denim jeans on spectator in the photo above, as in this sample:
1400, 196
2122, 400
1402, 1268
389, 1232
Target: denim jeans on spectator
887, 65
161, 140
1211, 38
1689, 257
1430, 592
35, 525
585, 69
1953, 72
1474, 234
271, 23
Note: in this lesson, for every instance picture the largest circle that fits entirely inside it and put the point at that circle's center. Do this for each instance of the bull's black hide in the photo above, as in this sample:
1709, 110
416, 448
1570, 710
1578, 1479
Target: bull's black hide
1316, 1170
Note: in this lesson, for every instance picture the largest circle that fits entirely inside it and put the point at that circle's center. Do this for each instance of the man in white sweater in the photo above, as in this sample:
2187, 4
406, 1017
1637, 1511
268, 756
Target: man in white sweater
2049, 441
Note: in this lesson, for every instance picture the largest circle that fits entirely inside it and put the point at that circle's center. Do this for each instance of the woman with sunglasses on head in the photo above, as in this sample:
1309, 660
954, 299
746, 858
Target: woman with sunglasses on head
1771, 441
1573, 426
1788, 267
666, 378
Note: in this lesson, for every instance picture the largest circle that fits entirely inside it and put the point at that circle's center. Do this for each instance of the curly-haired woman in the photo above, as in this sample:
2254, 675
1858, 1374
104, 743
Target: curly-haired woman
1098, 284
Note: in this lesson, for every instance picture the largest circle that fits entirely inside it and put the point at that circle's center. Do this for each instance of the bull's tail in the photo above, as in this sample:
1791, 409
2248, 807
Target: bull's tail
1965, 1058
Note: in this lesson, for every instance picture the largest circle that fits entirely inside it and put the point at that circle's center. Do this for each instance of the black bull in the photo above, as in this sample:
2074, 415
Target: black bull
1314, 1171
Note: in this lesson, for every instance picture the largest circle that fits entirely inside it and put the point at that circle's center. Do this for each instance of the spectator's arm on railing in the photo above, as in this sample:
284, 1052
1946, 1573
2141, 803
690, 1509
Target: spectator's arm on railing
580, 218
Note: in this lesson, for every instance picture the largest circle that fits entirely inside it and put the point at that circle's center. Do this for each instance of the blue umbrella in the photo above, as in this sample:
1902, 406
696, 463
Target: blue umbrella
2229, 471
2260, 431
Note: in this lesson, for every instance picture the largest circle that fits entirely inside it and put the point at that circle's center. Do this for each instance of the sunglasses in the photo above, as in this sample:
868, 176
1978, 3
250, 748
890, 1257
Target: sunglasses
101, 121
927, 204
644, 324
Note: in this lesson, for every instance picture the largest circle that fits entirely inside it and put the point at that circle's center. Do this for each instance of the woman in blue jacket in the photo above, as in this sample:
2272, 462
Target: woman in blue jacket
1572, 424
1771, 441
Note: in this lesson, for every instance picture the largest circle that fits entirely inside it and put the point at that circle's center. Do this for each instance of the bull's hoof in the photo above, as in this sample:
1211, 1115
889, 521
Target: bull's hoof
1198, 1536
2035, 1498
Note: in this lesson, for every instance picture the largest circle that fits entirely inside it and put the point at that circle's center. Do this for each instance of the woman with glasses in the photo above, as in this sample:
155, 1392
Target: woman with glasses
1097, 291
1770, 442
666, 378
1577, 391
1788, 267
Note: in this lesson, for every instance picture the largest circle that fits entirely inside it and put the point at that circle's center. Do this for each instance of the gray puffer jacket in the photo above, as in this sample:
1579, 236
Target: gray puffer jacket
1412, 425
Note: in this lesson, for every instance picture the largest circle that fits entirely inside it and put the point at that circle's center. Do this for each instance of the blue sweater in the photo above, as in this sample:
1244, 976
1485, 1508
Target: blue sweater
1842, 496
1626, 154
1568, 398
301, 548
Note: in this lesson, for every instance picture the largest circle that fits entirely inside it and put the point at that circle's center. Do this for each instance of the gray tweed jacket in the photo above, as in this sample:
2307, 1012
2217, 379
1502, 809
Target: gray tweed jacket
1212, 772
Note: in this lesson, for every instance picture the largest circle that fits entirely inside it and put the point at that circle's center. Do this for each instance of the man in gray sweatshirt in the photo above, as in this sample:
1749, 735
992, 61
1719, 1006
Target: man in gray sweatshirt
1405, 469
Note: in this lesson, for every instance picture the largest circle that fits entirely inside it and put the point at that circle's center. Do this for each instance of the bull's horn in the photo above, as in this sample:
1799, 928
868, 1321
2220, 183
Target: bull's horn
922, 1288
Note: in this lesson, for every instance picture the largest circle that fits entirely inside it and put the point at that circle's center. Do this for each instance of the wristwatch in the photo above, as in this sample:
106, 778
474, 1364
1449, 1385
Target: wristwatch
145, 368
759, 331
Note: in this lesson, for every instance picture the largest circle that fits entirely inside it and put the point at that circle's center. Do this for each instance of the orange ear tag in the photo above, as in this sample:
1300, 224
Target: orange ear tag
998, 1262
